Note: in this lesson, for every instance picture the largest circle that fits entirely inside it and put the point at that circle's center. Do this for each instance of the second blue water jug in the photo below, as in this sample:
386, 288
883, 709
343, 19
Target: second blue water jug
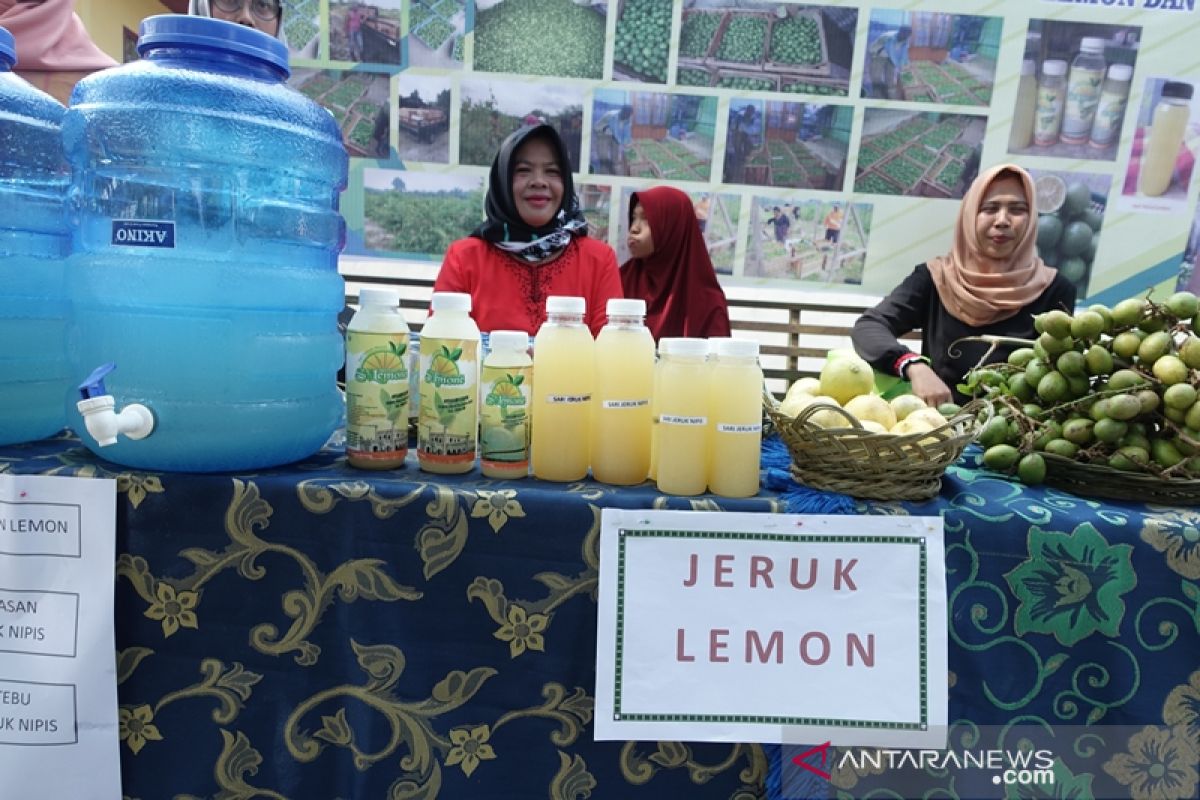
206, 232
33, 246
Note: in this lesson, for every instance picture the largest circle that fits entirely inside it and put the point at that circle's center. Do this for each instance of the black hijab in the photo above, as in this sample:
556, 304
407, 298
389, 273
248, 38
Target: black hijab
504, 227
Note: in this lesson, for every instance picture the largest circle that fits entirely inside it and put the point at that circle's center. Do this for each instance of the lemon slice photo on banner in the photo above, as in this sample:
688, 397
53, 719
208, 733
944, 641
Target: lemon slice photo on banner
1050, 191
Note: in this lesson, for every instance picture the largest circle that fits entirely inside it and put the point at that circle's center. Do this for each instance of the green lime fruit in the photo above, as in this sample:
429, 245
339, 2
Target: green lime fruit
1192, 417
1056, 323
1052, 388
1087, 325
1077, 201
1110, 430
1181, 395
1164, 453
1132, 439
1071, 363
1183, 305
1000, 457
1049, 231
1032, 410
1035, 371
1129, 459
1170, 370
1073, 269
1124, 407
1098, 360
1126, 344
1148, 400
1176, 415
948, 410
1093, 218
1023, 355
1104, 312
1128, 312
1076, 239
1078, 431
994, 433
1154, 347
1079, 386
1019, 387
1054, 346
1099, 410
1189, 351
1032, 469
1061, 447
1049, 432
1125, 379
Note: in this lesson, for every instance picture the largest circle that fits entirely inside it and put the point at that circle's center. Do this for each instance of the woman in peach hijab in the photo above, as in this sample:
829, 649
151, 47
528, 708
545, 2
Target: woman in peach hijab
991, 282
53, 48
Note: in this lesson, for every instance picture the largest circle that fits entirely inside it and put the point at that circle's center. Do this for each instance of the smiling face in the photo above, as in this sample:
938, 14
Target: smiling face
639, 240
537, 183
1003, 217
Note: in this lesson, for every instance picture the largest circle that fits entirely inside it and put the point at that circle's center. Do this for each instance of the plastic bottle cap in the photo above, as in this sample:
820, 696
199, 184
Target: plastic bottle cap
618, 307
565, 305
450, 301
379, 297
1029, 67
1120, 72
737, 348
204, 33
1177, 89
1092, 44
8, 48
1054, 67
681, 346
714, 343
508, 340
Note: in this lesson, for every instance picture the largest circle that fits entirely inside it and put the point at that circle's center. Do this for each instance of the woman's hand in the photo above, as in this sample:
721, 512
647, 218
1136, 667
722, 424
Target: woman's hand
927, 385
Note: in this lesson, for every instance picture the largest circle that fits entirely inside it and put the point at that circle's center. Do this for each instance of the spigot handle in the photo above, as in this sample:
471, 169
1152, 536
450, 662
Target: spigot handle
93, 385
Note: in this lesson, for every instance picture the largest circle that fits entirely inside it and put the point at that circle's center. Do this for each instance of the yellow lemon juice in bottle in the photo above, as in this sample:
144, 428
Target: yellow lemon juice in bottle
1167, 129
504, 417
377, 382
563, 353
449, 414
621, 421
735, 419
682, 416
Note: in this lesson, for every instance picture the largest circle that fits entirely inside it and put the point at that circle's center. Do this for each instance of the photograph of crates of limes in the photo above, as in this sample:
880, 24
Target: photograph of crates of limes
423, 118
801, 248
301, 26
1159, 169
801, 49
718, 218
357, 100
951, 57
1071, 209
1048, 40
435, 33
803, 145
492, 109
564, 38
595, 202
918, 153
379, 28
414, 213
672, 135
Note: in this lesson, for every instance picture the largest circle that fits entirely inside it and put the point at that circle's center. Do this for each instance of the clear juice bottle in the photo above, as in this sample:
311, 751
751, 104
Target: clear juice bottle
563, 356
377, 341
1020, 135
504, 417
448, 420
1167, 128
1051, 99
1083, 90
1110, 114
682, 416
621, 416
735, 419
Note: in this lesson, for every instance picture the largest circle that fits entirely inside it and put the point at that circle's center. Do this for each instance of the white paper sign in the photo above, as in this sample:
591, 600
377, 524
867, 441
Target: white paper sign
58, 683
771, 628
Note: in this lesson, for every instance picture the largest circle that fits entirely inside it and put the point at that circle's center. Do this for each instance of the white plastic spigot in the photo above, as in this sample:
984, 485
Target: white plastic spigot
104, 423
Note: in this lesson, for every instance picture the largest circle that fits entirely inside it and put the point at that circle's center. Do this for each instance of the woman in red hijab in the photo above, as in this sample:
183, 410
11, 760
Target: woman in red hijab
670, 268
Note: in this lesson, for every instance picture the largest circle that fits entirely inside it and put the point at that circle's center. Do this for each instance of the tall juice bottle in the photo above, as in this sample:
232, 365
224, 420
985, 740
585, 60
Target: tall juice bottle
683, 416
1051, 100
377, 341
1167, 128
1083, 90
1110, 114
1020, 135
735, 419
449, 415
655, 395
563, 356
621, 421
504, 417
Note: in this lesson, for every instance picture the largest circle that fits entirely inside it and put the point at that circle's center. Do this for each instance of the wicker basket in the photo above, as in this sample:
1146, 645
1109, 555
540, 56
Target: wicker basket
1093, 480
880, 466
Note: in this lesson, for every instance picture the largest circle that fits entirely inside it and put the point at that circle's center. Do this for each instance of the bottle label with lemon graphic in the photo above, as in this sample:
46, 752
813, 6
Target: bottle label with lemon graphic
376, 395
504, 417
447, 421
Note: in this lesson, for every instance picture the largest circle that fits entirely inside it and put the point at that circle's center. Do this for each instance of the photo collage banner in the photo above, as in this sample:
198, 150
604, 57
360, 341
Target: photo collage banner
825, 147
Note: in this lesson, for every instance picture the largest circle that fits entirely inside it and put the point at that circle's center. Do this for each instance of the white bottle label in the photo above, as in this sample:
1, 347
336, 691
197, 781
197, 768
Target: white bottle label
727, 427
671, 419
625, 403
568, 399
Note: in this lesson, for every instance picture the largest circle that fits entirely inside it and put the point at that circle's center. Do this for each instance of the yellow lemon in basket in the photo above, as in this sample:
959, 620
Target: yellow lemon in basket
845, 377
809, 386
792, 405
828, 418
872, 408
873, 426
910, 425
905, 404
931, 416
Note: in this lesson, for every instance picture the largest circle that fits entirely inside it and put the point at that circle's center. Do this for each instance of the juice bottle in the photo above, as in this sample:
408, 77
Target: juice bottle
1021, 134
655, 395
1106, 128
682, 416
449, 414
1051, 97
1083, 91
377, 382
1168, 125
504, 417
563, 356
621, 421
735, 419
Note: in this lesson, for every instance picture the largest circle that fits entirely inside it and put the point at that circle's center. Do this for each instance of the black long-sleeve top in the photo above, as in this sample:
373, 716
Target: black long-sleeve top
915, 304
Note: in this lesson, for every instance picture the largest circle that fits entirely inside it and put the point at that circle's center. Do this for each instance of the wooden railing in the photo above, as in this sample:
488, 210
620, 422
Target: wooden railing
794, 334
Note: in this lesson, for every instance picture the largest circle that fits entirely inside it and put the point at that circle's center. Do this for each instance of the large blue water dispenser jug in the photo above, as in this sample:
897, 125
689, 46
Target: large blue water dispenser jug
34, 242
204, 198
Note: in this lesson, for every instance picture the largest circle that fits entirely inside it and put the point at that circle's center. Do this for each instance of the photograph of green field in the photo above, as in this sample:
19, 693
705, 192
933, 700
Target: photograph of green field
823, 241
413, 213
492, 109
540, 37
358, 101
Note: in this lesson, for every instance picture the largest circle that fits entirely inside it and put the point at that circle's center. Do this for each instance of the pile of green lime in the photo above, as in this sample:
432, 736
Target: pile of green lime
1068, 226
1115, 387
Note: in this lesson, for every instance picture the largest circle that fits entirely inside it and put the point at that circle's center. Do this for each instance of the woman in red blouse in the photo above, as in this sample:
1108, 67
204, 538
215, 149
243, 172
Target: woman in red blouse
534, 243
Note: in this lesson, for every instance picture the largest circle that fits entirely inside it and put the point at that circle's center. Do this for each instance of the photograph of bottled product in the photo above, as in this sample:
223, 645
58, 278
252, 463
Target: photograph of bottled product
1073, 90
1161, 160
